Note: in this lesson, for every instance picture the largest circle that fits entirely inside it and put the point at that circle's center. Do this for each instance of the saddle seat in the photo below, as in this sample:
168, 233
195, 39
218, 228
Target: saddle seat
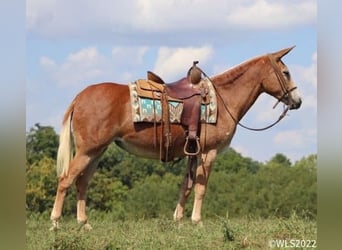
181, 89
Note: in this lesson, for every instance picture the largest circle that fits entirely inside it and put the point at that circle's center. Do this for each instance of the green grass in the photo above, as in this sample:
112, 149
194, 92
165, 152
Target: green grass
164, 233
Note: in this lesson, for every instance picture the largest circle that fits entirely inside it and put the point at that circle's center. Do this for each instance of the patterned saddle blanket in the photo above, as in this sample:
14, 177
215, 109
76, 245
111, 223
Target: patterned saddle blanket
147, 106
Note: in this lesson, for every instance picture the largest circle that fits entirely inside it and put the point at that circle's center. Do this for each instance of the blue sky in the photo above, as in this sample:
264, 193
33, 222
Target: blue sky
72, 44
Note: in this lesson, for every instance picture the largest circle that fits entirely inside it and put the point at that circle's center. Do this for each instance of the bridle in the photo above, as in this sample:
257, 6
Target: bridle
281, 81
286, 93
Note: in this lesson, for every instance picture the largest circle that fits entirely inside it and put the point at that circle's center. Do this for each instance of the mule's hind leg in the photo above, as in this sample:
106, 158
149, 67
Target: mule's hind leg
77, 165
81, 186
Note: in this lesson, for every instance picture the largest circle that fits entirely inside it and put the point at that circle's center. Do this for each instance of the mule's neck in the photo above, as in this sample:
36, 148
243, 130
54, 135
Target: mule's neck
240, 86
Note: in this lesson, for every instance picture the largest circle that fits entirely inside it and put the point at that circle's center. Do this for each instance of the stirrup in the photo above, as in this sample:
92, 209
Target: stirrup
198, 145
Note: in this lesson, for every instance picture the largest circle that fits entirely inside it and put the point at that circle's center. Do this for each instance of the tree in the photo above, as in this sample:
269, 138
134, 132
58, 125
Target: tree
309, 162
153, 196
41, 183
281, 160
128, 168
41, 141
231, 161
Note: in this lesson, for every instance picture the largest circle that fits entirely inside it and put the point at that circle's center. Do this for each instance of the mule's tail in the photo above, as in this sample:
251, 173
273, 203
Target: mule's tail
64, 155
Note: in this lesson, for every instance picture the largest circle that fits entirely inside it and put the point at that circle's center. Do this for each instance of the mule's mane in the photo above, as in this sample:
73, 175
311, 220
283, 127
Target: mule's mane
231, 74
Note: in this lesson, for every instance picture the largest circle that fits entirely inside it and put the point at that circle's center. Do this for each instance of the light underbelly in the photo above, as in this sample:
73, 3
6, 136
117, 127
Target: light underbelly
146, 151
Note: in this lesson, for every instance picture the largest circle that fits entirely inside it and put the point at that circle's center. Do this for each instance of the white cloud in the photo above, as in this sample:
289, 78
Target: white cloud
306, 75
310, 102
306, 79
294, 139
88, 65
83, 65
47, 62
173, 62
84, 55
262, 14
128, 18
175, 15
241, 150
129, 55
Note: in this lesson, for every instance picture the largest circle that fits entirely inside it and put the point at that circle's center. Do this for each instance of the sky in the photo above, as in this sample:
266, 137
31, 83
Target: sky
73, 44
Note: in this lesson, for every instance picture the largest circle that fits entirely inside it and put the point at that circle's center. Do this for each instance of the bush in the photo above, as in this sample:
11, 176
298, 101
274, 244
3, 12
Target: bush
274, 190
41, 183
153, 197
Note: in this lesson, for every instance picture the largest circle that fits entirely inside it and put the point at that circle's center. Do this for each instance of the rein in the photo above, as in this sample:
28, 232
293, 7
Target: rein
282, 83
249, 128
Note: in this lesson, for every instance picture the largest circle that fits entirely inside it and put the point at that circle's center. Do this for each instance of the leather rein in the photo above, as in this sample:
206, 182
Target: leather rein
282, 83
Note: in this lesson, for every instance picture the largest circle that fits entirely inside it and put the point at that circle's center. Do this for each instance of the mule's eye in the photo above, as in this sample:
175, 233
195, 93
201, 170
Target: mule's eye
286, 74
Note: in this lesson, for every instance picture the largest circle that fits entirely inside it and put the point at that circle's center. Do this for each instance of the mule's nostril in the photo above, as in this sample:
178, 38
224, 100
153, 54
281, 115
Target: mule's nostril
297, 104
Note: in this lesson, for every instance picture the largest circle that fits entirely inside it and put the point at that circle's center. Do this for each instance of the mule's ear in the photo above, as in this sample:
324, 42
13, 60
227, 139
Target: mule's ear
278, 55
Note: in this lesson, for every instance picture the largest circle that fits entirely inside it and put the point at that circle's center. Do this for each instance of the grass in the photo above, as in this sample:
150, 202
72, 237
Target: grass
163, 233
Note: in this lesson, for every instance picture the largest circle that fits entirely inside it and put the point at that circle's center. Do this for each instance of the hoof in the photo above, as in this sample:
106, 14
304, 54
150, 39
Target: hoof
85, 226
177, 215
198, 223
55, 226
177, 219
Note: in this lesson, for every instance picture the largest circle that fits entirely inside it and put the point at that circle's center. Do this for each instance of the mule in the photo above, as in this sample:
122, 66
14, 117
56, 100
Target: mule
101, 114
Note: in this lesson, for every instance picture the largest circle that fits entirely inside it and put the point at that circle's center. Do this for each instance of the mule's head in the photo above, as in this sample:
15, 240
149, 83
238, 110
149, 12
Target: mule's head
278, 81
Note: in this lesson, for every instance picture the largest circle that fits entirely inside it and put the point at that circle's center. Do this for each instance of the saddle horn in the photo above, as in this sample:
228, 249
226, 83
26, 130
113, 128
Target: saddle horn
195, 73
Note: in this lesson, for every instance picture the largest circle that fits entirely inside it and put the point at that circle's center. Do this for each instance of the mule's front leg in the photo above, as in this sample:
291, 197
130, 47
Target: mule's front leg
200, 188
186, 188
202, 176
183, 197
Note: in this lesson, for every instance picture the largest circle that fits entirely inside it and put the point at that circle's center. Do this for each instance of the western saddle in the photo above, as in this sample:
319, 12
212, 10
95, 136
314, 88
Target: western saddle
192, 93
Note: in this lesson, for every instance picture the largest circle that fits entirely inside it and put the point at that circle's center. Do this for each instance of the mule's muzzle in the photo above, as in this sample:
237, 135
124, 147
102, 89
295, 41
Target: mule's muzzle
296, 104
293, 99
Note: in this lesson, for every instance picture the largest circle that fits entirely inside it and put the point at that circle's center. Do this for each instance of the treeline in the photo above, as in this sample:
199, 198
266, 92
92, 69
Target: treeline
131, 187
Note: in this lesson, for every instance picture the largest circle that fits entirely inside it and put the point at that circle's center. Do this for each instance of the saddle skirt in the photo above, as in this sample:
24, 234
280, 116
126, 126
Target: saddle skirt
147, 105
